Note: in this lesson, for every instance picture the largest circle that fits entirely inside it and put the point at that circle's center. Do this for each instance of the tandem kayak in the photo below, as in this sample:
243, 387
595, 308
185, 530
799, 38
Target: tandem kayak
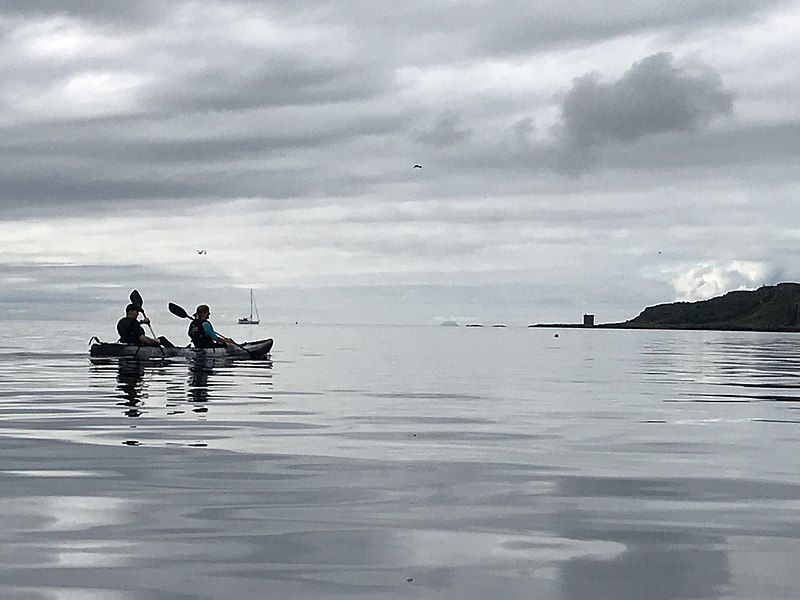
257, 350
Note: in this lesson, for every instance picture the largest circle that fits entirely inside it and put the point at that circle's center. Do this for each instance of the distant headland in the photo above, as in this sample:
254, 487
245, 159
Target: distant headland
769, 308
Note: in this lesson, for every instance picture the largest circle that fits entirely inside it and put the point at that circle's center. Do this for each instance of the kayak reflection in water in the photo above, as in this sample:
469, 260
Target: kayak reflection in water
202, 331
199, 371
130, 383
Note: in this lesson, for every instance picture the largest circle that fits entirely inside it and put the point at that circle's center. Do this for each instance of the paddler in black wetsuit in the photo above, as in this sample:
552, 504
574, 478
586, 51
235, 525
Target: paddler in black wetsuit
130, 329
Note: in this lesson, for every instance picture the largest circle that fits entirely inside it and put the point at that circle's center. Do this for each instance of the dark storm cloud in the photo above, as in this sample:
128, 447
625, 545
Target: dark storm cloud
654, 96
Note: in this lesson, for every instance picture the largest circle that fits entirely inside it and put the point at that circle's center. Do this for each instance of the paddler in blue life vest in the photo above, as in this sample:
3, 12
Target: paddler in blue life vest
130, 329
202, 331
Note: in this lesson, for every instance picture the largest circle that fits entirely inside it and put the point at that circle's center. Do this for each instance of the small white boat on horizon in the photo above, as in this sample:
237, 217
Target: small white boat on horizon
250, 320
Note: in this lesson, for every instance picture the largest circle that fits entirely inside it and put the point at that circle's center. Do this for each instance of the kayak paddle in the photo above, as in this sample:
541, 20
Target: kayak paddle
179, 311
137, 301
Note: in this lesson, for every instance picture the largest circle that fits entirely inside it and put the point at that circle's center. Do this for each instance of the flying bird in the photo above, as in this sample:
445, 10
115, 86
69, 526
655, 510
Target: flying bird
417, 166
201, 252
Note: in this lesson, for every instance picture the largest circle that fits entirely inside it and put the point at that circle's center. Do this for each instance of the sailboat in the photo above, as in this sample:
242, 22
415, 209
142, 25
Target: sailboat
250, 320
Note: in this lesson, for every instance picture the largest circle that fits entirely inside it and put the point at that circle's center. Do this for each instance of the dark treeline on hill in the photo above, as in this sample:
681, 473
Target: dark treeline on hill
769, 308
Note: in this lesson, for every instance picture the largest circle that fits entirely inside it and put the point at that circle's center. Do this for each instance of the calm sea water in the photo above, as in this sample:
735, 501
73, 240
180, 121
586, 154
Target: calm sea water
403, 462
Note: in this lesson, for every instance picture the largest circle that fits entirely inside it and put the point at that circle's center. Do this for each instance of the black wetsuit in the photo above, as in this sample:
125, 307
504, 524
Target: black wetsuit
129, 330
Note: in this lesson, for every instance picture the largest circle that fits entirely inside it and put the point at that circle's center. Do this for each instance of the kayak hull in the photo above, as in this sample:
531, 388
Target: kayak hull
258, 350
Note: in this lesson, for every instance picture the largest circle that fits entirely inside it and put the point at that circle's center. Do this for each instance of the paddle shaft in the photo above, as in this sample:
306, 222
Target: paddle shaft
150, 327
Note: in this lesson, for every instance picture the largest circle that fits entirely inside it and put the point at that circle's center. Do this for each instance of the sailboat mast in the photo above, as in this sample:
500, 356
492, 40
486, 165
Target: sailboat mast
249, 320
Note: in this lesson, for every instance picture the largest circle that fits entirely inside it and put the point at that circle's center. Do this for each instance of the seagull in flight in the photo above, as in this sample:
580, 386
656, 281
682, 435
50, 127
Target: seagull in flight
417, 166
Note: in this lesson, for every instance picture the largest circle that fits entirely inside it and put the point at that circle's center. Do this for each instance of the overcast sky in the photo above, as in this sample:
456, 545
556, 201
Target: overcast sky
576, 157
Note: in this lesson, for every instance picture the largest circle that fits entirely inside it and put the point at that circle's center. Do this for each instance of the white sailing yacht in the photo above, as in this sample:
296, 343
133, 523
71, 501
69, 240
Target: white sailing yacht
250, 320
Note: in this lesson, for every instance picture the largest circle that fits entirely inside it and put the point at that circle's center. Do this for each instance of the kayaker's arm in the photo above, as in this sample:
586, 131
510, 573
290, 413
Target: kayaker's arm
143, 339
148, 341
209, 329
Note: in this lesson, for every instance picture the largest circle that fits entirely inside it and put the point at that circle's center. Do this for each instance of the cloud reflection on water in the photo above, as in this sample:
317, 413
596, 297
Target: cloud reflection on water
514, 472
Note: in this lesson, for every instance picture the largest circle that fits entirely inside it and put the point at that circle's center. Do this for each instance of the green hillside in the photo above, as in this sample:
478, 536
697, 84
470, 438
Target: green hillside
769, 308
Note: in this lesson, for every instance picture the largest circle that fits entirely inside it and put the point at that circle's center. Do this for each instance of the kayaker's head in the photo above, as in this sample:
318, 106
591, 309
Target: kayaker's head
201, 312
132, 311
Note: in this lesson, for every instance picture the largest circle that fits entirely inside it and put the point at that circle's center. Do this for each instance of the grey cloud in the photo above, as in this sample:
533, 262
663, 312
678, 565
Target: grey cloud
90, 166
426, 32
430, 32
74, 192
81, 291
752, 154
595, 218
421, 245
107, 140
61, 291
171, 151
534, 26
53, 186
446, 131
774, 146
655, 95
209, 112
524, 129
119, 12
277, 81
53, 280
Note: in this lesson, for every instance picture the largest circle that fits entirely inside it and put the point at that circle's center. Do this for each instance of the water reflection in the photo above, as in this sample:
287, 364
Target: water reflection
130, 383
200, 370
654, 569
725, 366
397, 471
663, 560
176, 397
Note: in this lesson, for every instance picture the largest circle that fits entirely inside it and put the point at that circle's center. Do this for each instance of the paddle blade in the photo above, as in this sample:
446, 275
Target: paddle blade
178, 311
136, 298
